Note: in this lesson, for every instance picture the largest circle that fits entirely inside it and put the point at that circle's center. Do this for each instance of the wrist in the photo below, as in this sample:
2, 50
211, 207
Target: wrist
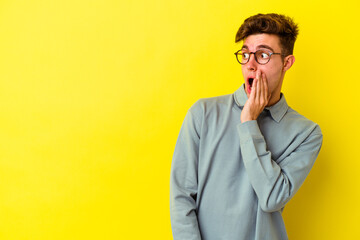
245, 118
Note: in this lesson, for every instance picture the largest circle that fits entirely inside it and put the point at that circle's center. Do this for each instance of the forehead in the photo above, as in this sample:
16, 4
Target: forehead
256, 41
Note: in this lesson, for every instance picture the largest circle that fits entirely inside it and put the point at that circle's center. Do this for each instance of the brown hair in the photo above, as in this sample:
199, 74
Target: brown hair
271, 23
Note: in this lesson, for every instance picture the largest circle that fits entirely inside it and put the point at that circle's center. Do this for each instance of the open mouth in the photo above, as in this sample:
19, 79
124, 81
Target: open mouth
251, 81
249, 86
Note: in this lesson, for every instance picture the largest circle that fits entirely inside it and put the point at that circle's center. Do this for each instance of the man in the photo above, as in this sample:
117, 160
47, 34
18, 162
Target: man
241, 157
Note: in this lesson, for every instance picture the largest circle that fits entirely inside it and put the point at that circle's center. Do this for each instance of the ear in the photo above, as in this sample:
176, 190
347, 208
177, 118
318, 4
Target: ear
288, 62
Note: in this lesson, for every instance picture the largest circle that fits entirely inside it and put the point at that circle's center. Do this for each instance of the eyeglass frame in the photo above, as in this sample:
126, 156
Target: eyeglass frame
270, 54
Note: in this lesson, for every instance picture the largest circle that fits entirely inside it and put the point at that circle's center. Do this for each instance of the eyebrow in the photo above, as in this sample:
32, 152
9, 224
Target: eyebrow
260, 46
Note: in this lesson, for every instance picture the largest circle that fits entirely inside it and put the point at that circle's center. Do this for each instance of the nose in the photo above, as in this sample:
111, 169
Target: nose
251, 65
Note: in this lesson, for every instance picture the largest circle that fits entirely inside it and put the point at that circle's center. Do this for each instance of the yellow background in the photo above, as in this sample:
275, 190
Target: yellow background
93, 94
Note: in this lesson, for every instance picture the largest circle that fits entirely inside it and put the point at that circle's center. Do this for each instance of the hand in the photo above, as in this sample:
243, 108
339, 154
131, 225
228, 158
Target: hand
259, 98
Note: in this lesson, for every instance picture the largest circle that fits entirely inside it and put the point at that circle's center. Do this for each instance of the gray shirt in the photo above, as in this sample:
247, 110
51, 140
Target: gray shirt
231, 180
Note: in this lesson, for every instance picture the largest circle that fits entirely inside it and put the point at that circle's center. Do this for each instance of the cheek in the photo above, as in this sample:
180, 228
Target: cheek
273, 77
270, 73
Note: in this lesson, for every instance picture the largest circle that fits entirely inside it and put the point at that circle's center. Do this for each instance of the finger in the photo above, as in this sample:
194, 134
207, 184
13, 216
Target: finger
268, 96
253, 90
266, 89
262, 88
258, 86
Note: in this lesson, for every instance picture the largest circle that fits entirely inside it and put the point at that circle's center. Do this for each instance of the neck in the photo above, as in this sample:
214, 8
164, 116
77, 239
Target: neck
273, 100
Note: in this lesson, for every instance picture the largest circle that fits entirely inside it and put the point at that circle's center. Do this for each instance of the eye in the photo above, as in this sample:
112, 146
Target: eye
245, 55
264, 55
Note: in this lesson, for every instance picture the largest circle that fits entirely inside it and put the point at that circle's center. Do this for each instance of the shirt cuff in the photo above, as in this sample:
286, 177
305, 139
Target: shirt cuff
248, 131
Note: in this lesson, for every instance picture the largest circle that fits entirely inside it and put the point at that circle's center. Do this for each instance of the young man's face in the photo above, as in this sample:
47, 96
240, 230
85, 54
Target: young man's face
274, 70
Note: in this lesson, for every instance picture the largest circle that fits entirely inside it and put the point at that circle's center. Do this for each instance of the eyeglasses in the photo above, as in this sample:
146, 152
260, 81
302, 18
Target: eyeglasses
261, 56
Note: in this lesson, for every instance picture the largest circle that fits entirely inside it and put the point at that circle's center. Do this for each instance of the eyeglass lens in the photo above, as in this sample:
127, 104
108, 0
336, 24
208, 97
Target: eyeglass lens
261, 56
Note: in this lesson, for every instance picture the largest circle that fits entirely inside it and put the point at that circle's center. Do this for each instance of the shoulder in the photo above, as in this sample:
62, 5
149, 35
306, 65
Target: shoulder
206, 105
208, 111
301, 123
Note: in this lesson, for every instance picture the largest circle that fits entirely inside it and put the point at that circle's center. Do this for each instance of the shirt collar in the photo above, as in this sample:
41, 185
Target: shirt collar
277, 110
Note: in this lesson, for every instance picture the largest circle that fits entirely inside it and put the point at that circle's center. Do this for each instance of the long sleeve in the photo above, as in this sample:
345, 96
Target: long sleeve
275, 183
183, 182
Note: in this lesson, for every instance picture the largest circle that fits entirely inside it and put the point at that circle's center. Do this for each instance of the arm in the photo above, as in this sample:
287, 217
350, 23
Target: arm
275, 184
183, 182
